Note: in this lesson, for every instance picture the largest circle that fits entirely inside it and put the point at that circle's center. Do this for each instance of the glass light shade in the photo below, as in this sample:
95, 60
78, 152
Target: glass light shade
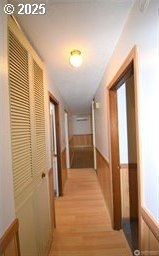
76, 58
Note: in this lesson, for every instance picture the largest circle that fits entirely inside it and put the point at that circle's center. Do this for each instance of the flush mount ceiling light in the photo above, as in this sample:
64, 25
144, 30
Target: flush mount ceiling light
76, 58
143, 5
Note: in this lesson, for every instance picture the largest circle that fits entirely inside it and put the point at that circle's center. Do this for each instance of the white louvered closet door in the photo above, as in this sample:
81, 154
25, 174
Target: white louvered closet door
39, 120
27, 118
41, 206
20, 114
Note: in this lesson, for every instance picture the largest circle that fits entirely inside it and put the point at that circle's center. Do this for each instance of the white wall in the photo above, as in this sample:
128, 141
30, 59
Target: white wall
142, 29
122, 123
63, 106
83, 126
7, 211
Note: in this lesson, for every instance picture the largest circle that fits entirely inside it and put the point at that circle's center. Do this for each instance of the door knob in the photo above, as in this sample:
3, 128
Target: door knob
43, 175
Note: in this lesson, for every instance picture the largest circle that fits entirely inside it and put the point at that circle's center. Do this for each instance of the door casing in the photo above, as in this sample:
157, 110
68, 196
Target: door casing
131, 61
53, 100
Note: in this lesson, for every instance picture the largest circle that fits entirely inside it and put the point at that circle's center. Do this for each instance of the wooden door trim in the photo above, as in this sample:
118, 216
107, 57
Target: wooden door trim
114, 163
58, 135
131, 60
11, 233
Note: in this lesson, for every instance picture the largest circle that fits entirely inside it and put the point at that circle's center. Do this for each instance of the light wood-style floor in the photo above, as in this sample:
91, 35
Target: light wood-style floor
82, 157
83, 224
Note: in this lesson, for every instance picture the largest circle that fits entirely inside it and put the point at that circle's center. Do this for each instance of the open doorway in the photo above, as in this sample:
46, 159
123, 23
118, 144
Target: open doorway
81, 144
124, 148
55, 145
54, 148
128, 161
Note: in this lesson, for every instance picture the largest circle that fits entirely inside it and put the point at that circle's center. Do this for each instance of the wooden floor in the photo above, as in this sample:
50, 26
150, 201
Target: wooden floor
82, 157
83, 223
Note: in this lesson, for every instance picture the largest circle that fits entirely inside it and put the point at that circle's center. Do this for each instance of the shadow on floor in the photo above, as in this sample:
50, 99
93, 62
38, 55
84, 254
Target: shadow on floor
130, 228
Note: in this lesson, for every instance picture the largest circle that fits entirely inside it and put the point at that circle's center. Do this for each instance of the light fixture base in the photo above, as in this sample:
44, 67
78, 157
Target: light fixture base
75, 58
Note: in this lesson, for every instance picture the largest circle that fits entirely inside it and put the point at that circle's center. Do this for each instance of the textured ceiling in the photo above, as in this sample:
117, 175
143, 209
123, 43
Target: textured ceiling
90, 26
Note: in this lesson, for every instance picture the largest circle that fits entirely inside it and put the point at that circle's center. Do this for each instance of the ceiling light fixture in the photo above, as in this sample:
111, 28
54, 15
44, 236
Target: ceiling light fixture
143, 5
76, 58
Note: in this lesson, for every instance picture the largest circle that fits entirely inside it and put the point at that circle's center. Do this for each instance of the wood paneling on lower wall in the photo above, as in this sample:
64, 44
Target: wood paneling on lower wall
63, 169
129, 190
9, 242
104, 177
149, 234
133, 190
151, 223
124, 180
82, 140
71, 151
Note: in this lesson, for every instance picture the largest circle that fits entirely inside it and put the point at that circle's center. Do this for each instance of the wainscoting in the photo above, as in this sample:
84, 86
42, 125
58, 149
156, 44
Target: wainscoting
63, 169
71, 149
149, 240
129, 203
82, 140
149, 234
129, 192
9, 242
103, 173
124, 180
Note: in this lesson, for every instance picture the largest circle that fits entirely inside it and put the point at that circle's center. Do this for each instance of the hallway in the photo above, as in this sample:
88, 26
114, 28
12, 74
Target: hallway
82, 222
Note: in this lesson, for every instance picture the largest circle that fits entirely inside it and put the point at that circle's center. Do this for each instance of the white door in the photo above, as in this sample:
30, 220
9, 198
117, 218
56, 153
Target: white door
41, 217
54, 148
67, 141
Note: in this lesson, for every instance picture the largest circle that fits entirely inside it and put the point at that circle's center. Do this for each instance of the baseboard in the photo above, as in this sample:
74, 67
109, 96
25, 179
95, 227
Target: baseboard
63, 169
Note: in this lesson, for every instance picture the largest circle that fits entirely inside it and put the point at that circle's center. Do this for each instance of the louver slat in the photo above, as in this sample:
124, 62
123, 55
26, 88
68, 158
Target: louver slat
20, 113
39, 118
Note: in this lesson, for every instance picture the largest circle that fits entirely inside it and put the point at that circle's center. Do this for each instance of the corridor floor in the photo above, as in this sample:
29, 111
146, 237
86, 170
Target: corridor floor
82, 158
82, 221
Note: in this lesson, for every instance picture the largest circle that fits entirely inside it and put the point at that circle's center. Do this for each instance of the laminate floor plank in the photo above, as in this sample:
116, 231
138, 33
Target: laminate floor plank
82, 157
83, 226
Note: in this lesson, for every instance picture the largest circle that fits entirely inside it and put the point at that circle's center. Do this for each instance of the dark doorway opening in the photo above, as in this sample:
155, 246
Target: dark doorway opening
81, 143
